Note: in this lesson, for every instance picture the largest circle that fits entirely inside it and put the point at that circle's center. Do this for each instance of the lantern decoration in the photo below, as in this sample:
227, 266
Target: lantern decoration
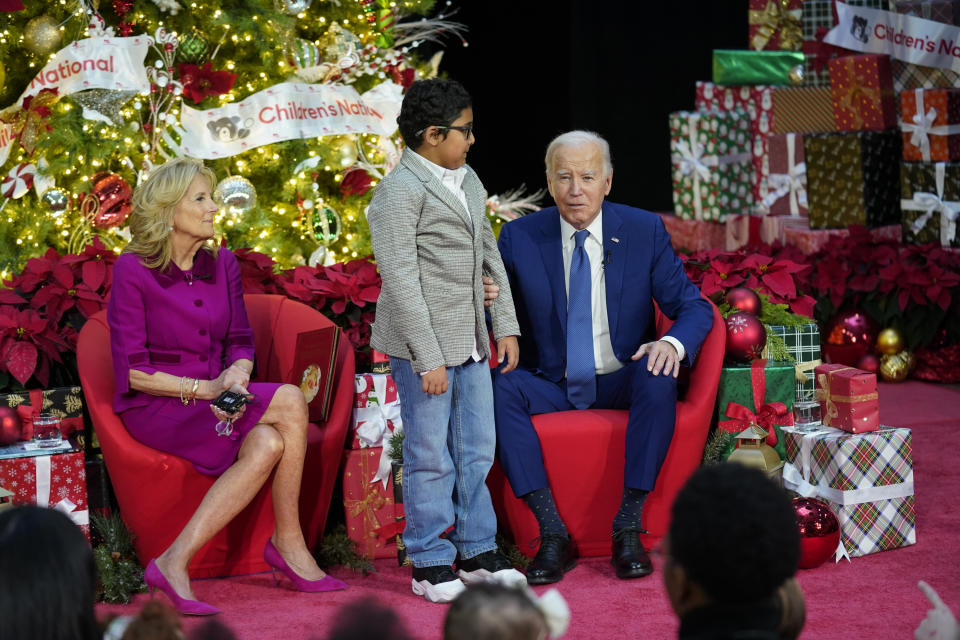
819, 531
746, 337
115, 197
849, 336
752, 450
744, 299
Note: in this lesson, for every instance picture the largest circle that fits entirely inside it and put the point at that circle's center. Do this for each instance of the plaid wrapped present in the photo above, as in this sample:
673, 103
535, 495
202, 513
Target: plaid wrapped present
930, 202
376, 410
908, 76
848, 398
862, 90
945, 11
712, 173
756, 101
803, 343
58, 481
761, 392
819, 16
853, 178
787, 179
801, 110
368, 504
867, 479
931, 125
693, 235
775, 24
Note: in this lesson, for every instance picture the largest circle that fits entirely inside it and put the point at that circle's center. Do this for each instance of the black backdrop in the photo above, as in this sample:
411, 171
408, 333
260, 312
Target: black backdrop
537, 69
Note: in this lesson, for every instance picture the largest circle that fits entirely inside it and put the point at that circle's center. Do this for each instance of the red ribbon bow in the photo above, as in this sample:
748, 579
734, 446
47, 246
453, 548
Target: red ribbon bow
768, 414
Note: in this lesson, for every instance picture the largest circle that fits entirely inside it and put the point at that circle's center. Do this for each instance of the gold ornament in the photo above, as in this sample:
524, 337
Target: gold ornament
895, 367
346, 151
42, 35
890, 341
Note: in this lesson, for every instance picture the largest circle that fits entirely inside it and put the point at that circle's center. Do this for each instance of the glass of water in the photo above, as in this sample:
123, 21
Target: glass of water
46, 430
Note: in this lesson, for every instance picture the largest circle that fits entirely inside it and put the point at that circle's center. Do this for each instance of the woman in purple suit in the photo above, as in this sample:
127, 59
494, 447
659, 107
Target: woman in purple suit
180, 337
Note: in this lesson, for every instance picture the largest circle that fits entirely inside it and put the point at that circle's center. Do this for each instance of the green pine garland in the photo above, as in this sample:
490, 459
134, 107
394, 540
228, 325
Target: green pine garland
770, 313
396, 446
718, 442
337, 549
119, 575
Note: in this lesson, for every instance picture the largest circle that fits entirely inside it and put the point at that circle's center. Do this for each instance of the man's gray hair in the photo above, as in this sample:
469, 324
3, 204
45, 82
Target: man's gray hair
576, 139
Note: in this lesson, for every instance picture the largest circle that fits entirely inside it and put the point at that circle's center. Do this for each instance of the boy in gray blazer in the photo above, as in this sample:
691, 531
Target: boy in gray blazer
432, 242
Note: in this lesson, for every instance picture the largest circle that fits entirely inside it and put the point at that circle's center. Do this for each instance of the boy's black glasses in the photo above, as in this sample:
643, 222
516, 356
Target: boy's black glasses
466, 129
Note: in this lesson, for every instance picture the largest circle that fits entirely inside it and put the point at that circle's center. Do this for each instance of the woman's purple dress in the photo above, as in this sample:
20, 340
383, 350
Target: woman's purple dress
192, 324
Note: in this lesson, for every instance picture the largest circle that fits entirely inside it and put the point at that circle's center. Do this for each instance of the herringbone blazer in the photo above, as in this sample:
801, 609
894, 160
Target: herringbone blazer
431, 256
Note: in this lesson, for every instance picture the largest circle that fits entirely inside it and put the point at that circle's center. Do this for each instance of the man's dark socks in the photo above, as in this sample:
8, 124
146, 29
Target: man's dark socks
631, 508
545, 511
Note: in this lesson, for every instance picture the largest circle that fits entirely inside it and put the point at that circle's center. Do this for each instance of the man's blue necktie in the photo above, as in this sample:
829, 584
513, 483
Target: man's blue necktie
581, 370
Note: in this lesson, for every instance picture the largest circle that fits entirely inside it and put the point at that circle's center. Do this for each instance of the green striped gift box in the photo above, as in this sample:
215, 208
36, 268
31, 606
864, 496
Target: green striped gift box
802, 110
803, 343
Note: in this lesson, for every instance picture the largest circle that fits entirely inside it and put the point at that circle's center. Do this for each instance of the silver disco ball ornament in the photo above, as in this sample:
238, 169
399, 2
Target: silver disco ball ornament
57, 201
236, 193
293, 7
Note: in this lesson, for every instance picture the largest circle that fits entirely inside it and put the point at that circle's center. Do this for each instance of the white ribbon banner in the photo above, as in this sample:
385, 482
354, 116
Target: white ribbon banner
66, 505
922, 127
922, 42
931, 203
288, 111
691, 160
90, 63
793, 182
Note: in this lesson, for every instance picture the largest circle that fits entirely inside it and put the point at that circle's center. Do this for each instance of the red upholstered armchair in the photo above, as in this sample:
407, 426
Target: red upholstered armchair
158, 492
583, 453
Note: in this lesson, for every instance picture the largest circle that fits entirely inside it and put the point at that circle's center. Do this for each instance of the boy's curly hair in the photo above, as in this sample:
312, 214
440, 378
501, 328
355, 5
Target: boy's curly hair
430, 102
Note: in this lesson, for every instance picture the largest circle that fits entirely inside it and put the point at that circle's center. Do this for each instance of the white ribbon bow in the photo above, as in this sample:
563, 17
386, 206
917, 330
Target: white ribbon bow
793, 182
691, 160
922, 127
931, 203
374, 421
554, 609
66, 505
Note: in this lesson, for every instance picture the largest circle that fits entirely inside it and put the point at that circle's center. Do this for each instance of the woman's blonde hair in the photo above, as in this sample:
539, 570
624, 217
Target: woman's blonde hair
154, 200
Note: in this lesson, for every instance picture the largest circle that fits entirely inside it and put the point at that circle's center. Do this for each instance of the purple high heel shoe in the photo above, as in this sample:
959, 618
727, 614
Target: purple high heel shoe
273, 558
156, 580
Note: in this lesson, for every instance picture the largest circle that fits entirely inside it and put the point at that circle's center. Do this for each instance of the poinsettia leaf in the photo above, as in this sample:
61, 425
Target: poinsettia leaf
63, 275
93, 273
9, 296
21, 360
780, 283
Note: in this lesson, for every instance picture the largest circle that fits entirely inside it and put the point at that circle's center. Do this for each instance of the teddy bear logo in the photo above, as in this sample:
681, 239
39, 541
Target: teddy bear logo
228, 129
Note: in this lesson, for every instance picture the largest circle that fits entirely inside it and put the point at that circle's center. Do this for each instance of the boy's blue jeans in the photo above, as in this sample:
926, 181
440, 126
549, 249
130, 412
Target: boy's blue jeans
447, 452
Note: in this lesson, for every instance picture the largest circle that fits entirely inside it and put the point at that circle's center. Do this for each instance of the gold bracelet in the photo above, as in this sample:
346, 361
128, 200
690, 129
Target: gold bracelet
193, 391
182, 400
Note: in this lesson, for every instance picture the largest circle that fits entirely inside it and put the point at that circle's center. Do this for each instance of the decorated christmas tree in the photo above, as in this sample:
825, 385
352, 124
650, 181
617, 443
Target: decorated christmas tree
292, 102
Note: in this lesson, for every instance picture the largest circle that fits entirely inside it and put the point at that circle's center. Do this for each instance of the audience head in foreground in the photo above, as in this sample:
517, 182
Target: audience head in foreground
494, 611
731, 549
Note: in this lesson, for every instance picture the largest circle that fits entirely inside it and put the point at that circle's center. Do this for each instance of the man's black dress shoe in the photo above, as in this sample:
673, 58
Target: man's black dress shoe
629, 557
554, 558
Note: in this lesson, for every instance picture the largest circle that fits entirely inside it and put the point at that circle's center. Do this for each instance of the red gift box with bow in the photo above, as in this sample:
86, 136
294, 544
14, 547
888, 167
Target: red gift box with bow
368, 503
848, 398
58, 481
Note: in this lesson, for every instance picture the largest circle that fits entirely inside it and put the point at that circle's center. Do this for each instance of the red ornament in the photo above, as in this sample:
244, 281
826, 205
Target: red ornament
9, 426
114, 195
122, 6
819, 531
746, 337
744, 299
849, 336
869, 363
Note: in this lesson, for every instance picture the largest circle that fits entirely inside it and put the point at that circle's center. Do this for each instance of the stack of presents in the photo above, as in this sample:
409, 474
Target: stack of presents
795, 139
861, 469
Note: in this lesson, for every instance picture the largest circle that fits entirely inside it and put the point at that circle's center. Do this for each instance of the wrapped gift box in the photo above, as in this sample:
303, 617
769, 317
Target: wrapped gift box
693, 235
761, 392
867, 479
811, 241
753, 230
57, 481
786, 192
399, 518
64, 402
712, 173
931, 125
775, 24
848, 398
368, 504
817, 19
803, 343
908, 76
755, 100
736, 66
945, 11
853, 178
801, 110
376, 410
930, 202
862, 91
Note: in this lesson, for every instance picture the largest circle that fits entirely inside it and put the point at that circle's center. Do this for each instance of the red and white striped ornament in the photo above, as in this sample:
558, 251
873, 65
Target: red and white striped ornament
18, 181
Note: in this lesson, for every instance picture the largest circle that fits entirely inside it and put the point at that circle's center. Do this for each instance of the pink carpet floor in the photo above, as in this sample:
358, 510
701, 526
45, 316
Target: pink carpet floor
871, 597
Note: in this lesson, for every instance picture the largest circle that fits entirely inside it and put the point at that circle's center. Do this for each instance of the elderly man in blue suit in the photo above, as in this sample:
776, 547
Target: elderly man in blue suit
584, 276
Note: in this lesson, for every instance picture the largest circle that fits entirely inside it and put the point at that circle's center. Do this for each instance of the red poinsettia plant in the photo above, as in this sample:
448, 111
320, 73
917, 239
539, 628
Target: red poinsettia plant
42, 310
200, 82
776, 277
